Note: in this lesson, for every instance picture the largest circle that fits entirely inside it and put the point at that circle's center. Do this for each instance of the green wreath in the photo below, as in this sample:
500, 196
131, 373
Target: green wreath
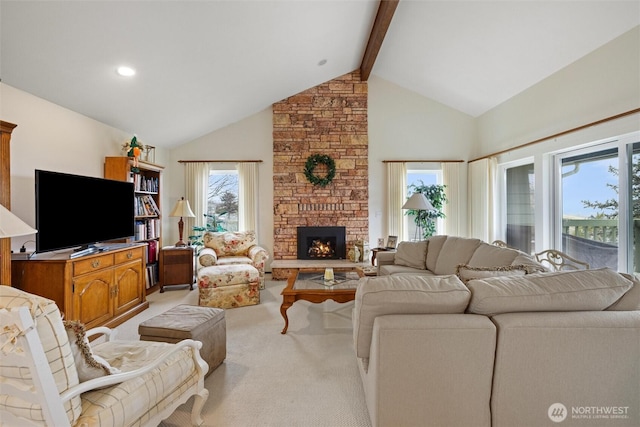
319, 159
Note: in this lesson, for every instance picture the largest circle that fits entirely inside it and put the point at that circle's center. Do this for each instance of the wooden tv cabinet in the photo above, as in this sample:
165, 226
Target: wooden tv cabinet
102, 289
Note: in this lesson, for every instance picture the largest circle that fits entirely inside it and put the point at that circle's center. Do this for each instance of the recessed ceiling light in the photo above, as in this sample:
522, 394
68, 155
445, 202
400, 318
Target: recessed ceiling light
126, 71
322, 62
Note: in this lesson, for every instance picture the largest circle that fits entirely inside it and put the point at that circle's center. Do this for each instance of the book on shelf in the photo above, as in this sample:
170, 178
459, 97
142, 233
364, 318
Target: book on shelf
145, 206
145, 183
153, 204
152, 275
152, 251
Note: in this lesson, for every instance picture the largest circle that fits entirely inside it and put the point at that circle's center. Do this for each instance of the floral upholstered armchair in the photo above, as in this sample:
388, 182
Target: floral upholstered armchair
227, 248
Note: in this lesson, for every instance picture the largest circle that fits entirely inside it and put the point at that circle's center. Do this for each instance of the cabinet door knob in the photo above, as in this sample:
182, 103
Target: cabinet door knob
129, 255
95, 263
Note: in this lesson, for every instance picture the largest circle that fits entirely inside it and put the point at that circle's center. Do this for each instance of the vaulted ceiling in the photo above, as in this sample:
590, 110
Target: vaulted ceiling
202, 65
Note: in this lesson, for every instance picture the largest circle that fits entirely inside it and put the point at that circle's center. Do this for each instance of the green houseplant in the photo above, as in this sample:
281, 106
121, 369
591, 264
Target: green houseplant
212, 224
426, 220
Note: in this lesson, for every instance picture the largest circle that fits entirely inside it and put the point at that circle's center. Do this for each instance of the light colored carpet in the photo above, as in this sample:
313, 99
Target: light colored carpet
307, 377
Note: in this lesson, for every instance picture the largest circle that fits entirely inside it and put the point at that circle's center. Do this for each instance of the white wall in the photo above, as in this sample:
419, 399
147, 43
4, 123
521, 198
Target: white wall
602, 84
51, 137
406, 126
248, 139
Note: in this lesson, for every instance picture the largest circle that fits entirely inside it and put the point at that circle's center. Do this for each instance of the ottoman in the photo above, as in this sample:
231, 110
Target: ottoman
204, 324
228, 286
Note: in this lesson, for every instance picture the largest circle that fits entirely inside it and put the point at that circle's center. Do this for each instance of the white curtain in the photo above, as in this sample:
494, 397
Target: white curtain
396, 196
248, 196
482, 175
452, 179
196, 178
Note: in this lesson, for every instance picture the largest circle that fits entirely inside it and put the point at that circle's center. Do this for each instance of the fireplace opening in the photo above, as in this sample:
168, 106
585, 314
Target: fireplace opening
321, 243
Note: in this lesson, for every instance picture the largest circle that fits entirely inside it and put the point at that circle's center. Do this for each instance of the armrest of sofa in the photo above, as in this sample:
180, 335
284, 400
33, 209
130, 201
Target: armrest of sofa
207, 258
258, 256
385, 258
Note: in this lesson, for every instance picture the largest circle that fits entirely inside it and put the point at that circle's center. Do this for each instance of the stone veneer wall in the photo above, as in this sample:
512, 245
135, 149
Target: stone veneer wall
327, 119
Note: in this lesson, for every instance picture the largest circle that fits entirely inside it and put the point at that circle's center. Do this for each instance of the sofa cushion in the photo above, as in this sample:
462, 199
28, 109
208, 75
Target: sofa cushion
377, 296
389, 269
466, 272
434, 246
55, 344
411, 254
134, 401
455, 250
630, 301
558, 291
487, 255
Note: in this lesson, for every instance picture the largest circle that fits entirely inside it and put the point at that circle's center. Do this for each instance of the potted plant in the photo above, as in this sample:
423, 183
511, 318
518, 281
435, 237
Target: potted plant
212, 224
426, 220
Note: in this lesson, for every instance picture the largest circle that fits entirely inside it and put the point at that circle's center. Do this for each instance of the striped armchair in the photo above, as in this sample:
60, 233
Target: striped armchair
42, 367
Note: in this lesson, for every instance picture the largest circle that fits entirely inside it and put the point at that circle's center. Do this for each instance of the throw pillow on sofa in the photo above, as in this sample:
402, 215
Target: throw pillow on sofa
584, 290
630, 301
89, 365
412, 254
466, 272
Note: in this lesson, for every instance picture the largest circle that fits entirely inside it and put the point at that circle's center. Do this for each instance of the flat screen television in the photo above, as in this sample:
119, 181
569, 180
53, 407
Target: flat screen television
74, 211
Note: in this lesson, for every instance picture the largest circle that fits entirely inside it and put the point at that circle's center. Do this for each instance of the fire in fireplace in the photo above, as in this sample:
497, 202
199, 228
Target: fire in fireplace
322, 243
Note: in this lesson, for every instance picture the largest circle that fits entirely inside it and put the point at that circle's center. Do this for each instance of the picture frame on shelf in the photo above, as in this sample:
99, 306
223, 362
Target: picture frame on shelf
381, 242
392, 241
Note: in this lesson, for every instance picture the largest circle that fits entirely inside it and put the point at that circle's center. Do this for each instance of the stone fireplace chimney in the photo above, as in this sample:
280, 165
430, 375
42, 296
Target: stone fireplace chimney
329, 119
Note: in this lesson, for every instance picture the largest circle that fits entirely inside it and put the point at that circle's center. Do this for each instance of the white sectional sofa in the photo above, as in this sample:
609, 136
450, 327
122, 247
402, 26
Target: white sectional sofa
512, 350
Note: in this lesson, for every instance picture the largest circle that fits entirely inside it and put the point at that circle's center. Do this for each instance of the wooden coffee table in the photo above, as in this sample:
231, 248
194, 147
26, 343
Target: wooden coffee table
308, 284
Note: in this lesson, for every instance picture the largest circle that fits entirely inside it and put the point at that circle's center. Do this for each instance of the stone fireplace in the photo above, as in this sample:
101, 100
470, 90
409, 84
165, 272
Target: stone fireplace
318, 243
329, 119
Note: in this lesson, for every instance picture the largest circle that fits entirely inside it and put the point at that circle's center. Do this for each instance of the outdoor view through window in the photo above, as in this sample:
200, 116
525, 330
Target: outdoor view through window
222, 199
597, 205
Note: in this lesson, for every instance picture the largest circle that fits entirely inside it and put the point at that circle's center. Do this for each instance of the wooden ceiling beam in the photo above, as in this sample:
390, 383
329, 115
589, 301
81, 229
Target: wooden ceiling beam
386, 9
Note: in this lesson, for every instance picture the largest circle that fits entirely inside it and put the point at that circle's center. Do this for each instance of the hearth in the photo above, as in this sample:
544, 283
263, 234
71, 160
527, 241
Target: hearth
322, 243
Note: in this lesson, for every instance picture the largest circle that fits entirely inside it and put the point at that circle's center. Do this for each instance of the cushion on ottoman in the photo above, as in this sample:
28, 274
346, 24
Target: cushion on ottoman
228, 286
204, 324
227, 275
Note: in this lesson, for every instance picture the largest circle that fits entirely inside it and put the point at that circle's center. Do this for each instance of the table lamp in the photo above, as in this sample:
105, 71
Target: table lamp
12, 226
418, 202
182, 210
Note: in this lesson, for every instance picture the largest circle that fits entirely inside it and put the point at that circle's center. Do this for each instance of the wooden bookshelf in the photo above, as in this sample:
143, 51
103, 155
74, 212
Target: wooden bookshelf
148, 215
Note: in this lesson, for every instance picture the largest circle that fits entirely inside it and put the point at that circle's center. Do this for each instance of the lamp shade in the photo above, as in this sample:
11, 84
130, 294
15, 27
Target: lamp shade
182, 209
418, 202
11, 225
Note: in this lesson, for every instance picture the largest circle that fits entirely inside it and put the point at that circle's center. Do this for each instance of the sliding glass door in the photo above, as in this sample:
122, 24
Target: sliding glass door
597, 214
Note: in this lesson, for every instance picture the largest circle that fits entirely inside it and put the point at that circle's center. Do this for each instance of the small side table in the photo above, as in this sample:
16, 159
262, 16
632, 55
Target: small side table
176, 266
375, 251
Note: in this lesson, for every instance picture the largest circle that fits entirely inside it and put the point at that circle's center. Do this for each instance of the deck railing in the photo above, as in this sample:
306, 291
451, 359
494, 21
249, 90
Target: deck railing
604, 231
599, 230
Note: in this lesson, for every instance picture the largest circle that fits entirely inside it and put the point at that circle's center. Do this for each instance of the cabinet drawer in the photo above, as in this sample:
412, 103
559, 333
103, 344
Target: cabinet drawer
92, 264
128, 255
